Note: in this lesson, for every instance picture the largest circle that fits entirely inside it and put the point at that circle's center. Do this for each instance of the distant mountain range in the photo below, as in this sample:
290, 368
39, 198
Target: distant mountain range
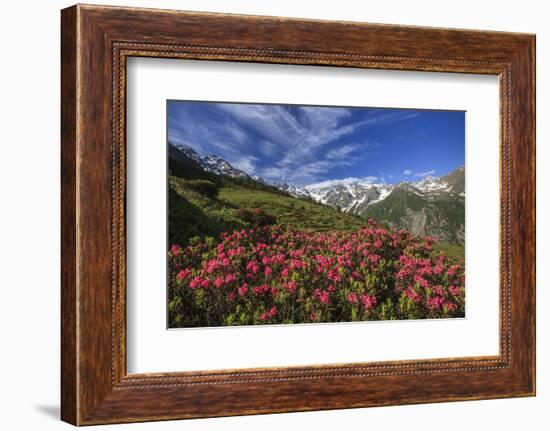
432, 206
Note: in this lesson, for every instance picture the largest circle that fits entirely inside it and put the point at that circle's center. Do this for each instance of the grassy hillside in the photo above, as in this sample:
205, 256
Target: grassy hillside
195, 214
292, 211
454, 251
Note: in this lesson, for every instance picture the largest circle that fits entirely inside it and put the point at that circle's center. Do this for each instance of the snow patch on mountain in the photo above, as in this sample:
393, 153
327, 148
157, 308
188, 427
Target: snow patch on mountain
212, 163
296, 191
349, 195
431, 184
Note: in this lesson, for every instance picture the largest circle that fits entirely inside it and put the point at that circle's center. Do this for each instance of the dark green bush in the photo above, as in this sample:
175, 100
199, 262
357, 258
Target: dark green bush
257, 217
204, 187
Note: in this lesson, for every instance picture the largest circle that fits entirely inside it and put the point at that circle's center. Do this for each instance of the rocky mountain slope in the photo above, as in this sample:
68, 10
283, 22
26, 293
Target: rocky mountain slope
432, 207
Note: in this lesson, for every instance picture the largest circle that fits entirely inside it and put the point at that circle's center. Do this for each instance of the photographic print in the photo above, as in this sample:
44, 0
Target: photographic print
293, 214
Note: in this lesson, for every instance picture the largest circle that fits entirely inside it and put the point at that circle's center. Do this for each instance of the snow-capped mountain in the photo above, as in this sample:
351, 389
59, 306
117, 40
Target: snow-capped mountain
432, 184
450, 183
350, 195
222, 167
212, 163
356, 195
296, 191
189, 152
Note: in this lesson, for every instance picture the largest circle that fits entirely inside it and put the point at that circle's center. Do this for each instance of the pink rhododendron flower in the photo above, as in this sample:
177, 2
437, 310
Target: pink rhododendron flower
452, 270
290, 286
195, 282
422, 281
252, 267
183, 274
258, 290
374, 258
322, 296
296, 264
353, 298
438, 290
218, 282
412, 294
368, 301
243, 290
334, 275
435, 302
455, 290
449, 306
272, 311
175, 249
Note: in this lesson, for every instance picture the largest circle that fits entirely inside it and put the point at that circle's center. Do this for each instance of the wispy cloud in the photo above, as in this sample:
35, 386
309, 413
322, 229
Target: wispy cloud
296, 144
424, 174
247, 164
307, 173
342, 151
407, 172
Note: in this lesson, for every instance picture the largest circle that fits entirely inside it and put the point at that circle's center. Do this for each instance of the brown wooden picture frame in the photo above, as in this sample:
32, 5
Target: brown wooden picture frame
96, 41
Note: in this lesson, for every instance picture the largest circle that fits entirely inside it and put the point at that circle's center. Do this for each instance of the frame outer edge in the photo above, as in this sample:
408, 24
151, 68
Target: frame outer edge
523, 217
533, 54
532, 83
69, 196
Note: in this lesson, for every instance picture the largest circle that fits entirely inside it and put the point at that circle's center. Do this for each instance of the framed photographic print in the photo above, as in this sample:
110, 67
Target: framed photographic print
267, 215
304, 227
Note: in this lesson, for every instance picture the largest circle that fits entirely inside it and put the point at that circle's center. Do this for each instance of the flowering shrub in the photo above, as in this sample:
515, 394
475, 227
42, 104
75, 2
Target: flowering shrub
270, 274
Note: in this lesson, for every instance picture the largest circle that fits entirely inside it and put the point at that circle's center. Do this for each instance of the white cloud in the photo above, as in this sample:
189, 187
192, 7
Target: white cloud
247, 164
342, 181
342, 151
269, 149
424, 174
407, 172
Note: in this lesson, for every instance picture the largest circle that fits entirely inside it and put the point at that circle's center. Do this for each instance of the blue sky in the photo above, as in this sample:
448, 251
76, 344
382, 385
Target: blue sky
303, 145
